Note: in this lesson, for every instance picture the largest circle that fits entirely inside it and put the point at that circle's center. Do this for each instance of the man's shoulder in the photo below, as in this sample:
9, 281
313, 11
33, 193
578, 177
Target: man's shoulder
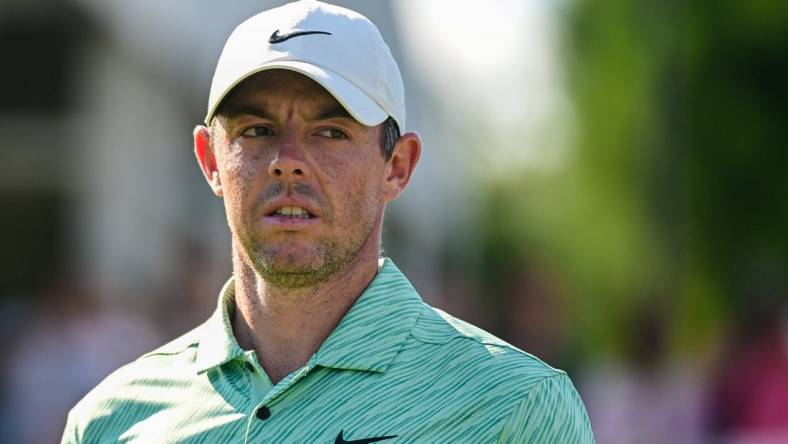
522, 395
183, 343
154, 368
179, 352
481, 352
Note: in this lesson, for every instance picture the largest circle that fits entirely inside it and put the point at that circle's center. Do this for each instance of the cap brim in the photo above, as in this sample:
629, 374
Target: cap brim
365, 110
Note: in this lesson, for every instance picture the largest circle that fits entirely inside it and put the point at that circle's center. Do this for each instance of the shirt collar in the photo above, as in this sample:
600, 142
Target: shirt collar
367, 338
217, 344
373, 331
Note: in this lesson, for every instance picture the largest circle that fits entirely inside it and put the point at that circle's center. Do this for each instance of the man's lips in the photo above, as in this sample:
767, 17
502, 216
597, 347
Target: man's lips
290, 222
291, 213
275, 207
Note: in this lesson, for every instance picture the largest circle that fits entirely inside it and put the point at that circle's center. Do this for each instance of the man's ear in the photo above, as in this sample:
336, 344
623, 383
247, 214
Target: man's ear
206, 157
399, 169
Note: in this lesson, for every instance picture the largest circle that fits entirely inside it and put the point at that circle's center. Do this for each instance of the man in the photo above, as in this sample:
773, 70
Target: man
316, 339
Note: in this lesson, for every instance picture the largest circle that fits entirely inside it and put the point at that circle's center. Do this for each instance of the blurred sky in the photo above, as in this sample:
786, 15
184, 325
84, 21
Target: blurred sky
499, 68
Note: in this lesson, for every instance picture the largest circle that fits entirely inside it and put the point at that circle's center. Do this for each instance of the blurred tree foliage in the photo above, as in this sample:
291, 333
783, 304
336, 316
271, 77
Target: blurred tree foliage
676, 195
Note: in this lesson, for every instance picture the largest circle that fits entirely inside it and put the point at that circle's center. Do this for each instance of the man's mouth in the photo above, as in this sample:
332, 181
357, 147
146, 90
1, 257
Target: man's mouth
292, 212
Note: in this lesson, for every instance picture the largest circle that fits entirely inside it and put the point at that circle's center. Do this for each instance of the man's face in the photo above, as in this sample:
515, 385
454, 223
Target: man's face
303, 182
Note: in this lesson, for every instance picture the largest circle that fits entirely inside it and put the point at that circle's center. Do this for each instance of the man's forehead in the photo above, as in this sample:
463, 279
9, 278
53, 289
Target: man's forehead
260, 90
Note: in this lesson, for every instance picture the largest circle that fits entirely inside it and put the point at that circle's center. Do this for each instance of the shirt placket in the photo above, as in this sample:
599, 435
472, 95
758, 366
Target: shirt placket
263, 411
258, 379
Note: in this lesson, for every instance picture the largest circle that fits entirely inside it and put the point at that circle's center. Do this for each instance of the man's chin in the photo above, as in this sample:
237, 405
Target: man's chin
290, 277
296, 265
294, 270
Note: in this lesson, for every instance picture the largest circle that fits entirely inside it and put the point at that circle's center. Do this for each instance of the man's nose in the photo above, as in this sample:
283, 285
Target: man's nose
290, 163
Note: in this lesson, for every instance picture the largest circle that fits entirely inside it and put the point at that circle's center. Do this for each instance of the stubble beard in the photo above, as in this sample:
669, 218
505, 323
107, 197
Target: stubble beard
287, 270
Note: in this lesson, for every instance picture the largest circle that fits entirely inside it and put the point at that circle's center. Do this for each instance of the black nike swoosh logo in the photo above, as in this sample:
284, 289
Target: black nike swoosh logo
341, 440
276, 38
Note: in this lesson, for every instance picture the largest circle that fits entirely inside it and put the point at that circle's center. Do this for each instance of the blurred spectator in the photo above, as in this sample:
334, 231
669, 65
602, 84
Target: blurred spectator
534, 316
749, 398
70, 343
648, 398
189, 296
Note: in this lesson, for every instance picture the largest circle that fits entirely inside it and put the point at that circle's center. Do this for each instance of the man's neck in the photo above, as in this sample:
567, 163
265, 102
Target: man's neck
285, 327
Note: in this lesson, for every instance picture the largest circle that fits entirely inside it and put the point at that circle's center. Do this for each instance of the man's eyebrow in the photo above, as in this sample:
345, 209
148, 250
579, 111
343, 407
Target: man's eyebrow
247, 109
336, 111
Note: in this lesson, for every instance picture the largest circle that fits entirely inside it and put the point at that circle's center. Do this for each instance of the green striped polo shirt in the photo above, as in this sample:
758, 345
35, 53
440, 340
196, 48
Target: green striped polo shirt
395, 370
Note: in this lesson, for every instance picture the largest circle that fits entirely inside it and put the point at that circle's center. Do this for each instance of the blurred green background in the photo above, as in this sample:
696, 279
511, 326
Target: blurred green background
603, 185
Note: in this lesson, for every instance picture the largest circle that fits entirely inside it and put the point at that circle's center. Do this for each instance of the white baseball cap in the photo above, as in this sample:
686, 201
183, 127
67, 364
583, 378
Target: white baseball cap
338, 48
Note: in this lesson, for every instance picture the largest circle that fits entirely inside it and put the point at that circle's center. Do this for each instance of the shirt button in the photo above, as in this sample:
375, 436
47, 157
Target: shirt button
249, 366
263, 413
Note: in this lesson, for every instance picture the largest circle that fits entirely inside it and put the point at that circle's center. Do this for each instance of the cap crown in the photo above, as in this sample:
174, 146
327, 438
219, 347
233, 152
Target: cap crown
334, 41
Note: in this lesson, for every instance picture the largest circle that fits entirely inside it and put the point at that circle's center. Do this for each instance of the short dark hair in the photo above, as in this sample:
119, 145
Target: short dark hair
389, 135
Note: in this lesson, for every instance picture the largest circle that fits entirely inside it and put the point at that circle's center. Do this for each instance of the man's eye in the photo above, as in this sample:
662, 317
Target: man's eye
257, 131
332, 133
